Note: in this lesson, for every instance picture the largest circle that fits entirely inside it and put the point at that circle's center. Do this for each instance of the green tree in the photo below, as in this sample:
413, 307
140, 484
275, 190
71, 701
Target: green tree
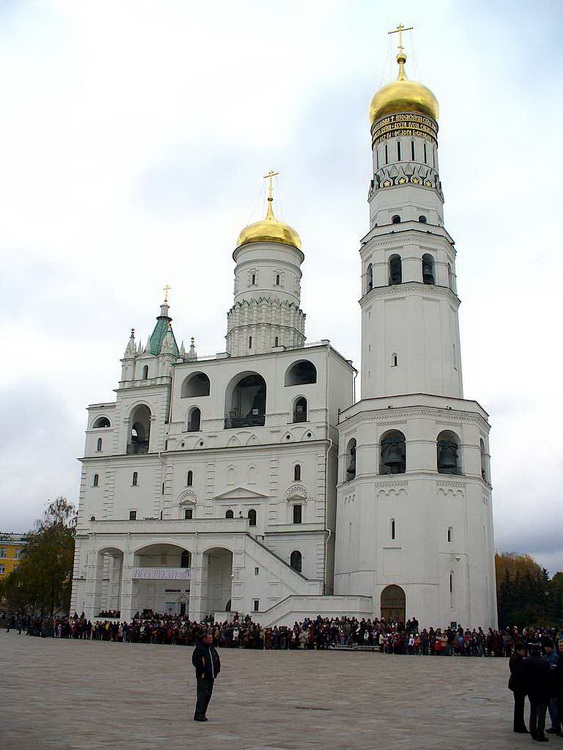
525, 594
42, 581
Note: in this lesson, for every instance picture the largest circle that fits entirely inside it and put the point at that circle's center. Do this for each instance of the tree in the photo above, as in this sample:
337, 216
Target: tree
525, 594
42, 581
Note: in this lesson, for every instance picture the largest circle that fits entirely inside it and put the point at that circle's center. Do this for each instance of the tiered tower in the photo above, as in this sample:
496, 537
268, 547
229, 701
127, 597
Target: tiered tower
414, 513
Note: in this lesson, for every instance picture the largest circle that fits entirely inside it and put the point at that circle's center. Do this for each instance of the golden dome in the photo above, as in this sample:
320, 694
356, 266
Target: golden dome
403, 95
269, 230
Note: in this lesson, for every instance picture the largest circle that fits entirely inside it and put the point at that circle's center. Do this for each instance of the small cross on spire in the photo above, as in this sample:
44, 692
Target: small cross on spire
166, 289
271, 174
399, 30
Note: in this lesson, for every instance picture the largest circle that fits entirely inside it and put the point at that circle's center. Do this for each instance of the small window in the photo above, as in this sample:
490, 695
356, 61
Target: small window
96, 480
252, 517
2, 569
277, 279
394, 360
256, 571
351, 460
398, 150
297, 473
99, 445
393, 529
300, 410
162, 489
256, 605
185, 559
450, 534
132, 515
296, 560
425, 156
101, 422
386, 154
297, 513
369, 277
229, 514
194, 420
135, 479
250, 342
413, 157
483, 460
253, 279
276, 341
396, 219
190, 478
146, 372
422, 219
188, 513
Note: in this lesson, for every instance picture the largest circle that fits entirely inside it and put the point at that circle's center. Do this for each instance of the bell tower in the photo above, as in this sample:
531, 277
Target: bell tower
414, 521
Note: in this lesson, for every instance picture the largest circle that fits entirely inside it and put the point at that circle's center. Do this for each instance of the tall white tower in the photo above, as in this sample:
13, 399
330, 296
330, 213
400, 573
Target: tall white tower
414, 520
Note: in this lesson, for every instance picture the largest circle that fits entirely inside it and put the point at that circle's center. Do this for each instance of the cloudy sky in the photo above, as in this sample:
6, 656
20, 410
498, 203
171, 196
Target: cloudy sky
133, 139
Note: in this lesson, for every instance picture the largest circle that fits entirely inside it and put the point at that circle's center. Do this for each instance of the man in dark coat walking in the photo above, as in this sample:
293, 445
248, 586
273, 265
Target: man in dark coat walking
207, 666
536, 677
516, 684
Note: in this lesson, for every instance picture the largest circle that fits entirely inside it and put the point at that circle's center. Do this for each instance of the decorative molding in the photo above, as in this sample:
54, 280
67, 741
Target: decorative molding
453, 489
296, 493
241, 493
187, 497
350, 497
388, 489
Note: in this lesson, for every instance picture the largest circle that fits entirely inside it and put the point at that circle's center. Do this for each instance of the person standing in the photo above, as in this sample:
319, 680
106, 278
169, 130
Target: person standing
516, 684
536, 675
207, 666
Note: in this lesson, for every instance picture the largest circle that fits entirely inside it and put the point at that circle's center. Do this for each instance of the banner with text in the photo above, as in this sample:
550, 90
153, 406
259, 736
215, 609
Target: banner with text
162, 574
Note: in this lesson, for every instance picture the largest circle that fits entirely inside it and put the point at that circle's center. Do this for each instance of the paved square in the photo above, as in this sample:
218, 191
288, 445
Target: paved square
86, 695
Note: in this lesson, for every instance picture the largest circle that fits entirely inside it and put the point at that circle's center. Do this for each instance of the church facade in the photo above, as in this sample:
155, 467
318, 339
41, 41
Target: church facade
253, 481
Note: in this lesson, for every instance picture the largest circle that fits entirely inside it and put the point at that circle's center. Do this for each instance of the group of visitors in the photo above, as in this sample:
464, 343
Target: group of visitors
536, 671
317, 633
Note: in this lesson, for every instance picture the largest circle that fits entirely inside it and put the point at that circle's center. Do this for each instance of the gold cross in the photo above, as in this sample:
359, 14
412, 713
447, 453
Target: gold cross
166, 289
399, 30
271, 174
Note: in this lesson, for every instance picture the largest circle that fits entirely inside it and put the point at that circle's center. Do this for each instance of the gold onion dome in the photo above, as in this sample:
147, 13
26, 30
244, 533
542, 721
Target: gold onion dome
403, 95
269, 230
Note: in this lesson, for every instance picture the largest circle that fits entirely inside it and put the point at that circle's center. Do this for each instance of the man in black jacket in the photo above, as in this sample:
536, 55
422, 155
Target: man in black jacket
207, 666
516, 684
536, 677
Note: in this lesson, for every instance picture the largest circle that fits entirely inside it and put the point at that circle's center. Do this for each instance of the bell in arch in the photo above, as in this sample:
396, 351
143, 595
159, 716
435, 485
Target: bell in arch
447, 456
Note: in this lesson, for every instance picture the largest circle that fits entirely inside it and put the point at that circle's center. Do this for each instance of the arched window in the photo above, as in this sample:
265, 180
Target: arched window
450, 278
452, 598
484, 472
450, 534
422, 219
185, 559
394, 360
252, 517
297, 473
297, 513
145, 372
277, 279
135, 479
296, 560
392, 453
395, 270
351, 460
96, 480
448, 453
140, 430
369, 277
99, 445
195, 385
428, 269
301, 373
101, 422
300, 410
190, 479
276, 341
396, 219
393, 529
245, 401
229, 514
194, 420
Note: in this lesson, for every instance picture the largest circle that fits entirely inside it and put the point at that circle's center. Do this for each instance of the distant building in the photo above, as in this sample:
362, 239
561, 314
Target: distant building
11, 546
254, 481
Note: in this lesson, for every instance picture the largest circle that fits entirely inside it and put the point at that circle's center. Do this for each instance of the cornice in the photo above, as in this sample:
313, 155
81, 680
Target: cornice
444, 413
394, 290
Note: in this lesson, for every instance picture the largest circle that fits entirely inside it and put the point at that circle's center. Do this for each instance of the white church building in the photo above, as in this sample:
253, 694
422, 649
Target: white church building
254, 482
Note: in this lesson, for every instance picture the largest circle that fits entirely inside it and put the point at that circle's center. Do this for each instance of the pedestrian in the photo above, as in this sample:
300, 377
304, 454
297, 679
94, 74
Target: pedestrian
536, 676
516, 684
207, 666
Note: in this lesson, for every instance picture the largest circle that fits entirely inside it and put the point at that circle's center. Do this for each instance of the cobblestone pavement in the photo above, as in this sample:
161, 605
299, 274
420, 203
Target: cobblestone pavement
91, 695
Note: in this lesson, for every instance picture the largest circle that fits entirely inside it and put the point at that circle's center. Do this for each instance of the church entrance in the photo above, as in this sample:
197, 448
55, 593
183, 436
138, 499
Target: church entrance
393, 604
217, 580
161, 579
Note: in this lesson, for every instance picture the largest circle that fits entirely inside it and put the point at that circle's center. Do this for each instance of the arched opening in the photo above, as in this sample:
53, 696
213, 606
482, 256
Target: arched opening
245, 401
393, 604
392, 453
393, 529
300, 410
101, 422
155, 589
394, 360
484, 472
252, 517
145, 372
369, 278
229, 514
96, 480
428, 269
422, 219
108, 581
217, 583
297, 473
301, 373
195, 385
296, 560
448, 453
140, 430
395, 270
351, 460
190, 479
396, 219
194, 419
99, 445
135, 479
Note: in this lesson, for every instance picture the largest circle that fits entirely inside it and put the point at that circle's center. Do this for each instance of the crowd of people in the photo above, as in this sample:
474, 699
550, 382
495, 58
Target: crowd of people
318, 633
